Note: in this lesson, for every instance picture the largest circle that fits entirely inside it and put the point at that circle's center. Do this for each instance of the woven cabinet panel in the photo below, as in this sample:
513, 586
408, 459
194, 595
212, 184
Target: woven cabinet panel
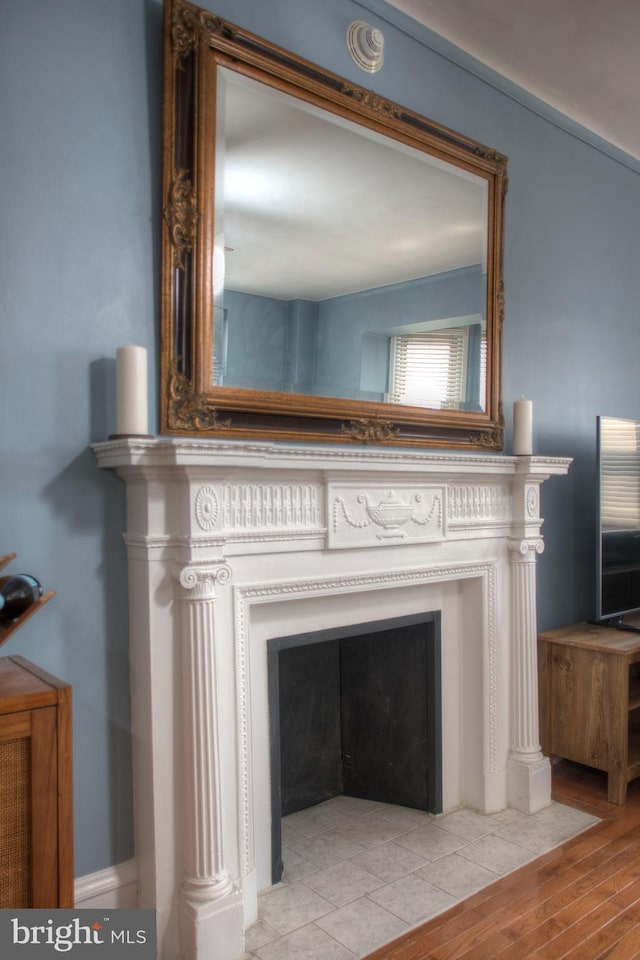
15, 823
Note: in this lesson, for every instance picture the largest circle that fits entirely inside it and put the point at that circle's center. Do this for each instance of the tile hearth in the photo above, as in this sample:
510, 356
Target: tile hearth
358, 874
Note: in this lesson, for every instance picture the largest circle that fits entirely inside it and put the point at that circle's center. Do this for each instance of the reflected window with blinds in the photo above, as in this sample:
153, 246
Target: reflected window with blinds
618, 528
430, 369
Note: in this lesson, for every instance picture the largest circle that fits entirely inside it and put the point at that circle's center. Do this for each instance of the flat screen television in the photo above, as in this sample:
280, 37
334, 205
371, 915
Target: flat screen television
618, 521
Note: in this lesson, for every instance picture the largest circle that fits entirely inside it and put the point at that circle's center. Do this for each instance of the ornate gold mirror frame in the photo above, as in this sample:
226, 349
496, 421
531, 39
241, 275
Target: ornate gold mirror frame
197, 45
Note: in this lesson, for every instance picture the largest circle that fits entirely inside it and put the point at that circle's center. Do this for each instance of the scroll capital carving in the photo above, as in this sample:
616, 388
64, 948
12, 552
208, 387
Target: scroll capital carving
199, 583
525, 550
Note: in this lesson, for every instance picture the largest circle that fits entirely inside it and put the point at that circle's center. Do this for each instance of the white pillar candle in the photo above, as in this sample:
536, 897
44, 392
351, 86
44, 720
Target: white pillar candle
523, 428
131, 391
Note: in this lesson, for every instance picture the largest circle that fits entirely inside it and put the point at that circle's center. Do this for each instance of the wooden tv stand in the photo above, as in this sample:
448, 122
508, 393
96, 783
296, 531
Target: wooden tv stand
589, 685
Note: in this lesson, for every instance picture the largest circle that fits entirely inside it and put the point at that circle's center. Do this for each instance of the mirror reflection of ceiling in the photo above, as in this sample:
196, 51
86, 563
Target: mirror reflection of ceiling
313, 212
579, 56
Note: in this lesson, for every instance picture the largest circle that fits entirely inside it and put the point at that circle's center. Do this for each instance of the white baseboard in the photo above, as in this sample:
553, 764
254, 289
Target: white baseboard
113, 887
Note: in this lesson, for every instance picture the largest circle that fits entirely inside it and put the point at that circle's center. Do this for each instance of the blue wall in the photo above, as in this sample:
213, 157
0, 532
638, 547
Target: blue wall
79, 239
80, 87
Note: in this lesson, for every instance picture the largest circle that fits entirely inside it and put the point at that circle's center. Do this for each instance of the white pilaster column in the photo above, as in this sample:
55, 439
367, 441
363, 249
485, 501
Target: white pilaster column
207, 890
529, 773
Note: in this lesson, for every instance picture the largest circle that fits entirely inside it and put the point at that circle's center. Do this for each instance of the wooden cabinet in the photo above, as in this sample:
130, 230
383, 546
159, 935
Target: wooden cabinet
36, 819
590, 700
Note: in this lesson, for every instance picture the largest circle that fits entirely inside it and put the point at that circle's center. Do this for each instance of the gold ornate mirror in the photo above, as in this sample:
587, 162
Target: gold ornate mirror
332, 262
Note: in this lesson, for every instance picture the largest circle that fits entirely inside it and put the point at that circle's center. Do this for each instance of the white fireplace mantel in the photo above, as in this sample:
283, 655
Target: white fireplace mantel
232, 544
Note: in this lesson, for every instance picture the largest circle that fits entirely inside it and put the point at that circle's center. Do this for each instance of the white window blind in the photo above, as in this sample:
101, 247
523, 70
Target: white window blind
619, 473
429, 369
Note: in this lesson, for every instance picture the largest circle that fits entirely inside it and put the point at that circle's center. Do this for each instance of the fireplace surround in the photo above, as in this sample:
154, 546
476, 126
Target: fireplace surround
233, 544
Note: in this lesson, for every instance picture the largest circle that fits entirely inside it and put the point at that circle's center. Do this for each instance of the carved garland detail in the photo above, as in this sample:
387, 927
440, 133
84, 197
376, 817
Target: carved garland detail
494, 156
492, 439
500, 305
184, 26
371, 101
181, 216
189, 410
390, 513
370, 431
187, 24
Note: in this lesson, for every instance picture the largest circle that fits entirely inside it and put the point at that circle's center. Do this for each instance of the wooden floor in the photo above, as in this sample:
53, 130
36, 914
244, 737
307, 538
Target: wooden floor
580, 900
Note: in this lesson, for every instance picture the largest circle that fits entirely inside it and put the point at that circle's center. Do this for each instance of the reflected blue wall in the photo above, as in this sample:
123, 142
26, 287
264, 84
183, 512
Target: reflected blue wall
257, 336
343, 321
339, 346
80, 89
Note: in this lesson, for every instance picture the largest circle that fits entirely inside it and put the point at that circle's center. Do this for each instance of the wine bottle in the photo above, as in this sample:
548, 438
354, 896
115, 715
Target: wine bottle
17, 594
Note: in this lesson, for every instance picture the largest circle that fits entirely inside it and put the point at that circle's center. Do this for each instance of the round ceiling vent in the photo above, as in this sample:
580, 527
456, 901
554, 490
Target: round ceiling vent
365, 44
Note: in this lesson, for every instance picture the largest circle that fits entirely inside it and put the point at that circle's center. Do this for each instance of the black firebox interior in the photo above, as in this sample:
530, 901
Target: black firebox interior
355, 711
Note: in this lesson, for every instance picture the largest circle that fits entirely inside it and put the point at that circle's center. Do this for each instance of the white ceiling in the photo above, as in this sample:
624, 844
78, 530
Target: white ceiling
313, 206
580, 56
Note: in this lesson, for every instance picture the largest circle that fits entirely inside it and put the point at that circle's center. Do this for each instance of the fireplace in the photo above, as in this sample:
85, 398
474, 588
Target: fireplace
235, 545
355, 711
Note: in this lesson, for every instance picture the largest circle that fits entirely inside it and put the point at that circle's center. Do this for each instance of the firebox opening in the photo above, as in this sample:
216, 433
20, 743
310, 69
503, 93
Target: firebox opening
355, 710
